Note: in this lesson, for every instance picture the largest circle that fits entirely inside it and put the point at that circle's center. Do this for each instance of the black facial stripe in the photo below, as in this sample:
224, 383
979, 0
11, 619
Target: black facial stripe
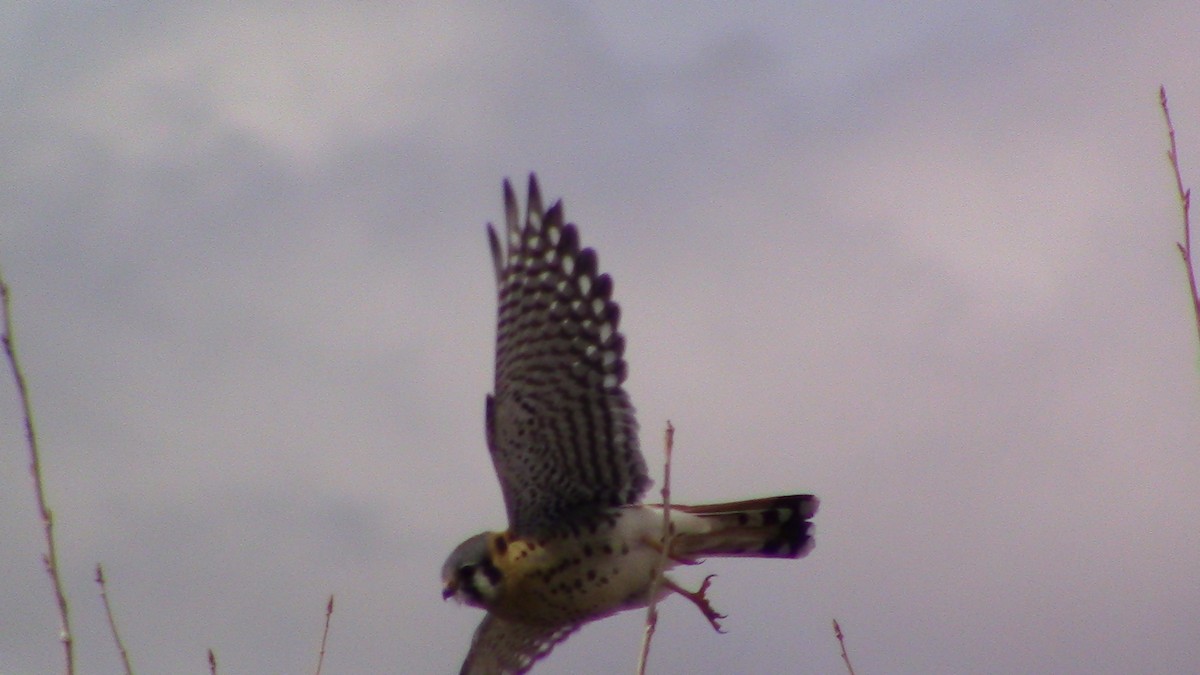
465, 573
466, 582
493, 573
471, 591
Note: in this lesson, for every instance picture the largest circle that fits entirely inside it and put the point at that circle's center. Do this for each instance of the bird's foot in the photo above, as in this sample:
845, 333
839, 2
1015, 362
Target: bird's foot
700, 600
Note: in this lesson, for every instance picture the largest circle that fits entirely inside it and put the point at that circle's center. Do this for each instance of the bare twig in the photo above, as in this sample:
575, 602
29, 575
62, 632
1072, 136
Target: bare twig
212, 663
112, 622
50, 558
837, 630
325, 635
1185, 202
667, 534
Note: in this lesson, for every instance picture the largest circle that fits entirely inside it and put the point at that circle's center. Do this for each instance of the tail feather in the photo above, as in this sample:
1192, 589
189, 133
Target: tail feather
775, 527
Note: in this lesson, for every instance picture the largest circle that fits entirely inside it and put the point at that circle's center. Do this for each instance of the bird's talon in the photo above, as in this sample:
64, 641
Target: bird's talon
700, 600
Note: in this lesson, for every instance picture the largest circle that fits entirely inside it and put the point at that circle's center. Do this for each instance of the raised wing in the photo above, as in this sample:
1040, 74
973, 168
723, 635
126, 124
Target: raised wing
560, 428
502, 647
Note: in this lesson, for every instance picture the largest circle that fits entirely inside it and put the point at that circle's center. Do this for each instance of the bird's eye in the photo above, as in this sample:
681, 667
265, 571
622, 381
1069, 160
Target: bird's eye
466, 571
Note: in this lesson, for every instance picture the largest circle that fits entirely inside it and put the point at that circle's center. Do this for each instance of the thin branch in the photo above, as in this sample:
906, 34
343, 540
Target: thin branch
1185, 202
325, 635
112, 622
837, 630
50, 558
212, 663
667, 535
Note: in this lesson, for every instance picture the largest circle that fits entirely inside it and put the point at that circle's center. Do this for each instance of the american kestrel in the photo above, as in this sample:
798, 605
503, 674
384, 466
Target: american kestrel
580, 545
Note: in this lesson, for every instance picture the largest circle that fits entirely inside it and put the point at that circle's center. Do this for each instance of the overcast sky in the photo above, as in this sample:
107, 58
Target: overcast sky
919, 261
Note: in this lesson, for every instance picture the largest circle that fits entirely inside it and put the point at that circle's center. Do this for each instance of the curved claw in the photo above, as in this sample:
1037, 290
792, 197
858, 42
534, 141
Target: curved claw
700, 600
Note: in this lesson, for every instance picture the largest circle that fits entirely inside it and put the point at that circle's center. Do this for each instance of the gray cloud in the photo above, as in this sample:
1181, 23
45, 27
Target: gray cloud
918, 263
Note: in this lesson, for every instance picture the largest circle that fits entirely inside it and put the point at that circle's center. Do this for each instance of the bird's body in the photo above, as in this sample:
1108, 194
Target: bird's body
601, 567
606, 564
563, 438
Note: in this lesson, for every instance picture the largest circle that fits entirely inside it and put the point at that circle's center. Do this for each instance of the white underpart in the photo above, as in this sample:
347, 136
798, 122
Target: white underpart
641, 526
481, 583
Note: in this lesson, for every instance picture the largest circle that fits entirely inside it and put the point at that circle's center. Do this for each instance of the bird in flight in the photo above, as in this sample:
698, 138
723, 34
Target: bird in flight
580, 544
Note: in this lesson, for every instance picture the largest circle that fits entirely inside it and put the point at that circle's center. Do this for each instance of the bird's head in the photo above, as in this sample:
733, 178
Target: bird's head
469, 574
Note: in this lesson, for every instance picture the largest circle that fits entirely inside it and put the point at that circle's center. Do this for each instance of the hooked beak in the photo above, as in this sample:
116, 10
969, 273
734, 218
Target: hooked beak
449, 589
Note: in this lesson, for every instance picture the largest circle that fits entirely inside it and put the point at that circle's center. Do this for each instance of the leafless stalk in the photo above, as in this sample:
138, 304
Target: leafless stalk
212, 663
325, 635
112, 622
1185, 202
656, 585
837, 630
50, 558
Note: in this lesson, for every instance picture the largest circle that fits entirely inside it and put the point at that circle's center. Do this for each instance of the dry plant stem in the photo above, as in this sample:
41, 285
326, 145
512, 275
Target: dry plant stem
112, 623
837, 630
656, 585
212, 663
50, 558
1185, 202
325, 635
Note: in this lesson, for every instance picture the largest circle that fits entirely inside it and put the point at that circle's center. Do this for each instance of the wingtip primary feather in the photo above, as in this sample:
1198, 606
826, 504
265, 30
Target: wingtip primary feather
497, 254
512, 217
533, 208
